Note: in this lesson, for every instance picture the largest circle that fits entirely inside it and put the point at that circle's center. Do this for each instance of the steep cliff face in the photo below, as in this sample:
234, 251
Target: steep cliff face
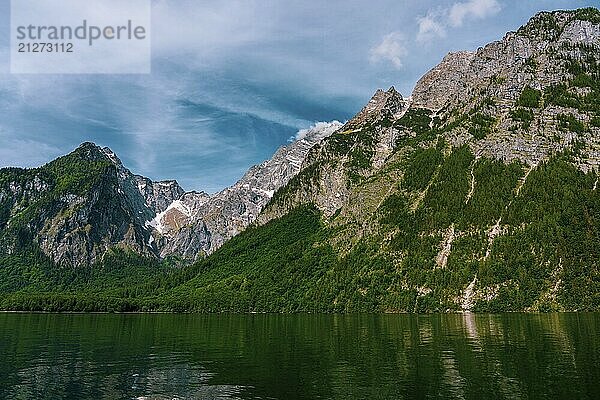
74, 208
356, 151
501, 85
452, 192
526, 97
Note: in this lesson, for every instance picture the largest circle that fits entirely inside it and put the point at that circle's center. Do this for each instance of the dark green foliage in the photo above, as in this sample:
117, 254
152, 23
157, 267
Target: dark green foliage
480, 125
560, 215
30, 281
488, 102
583, 80
552, 231
590, 14
585, 66
530, 98
40, 192
522, 115
458, 120
422, 166
67, 302
530, 64
394, 212
77, 176
360, 158
586, 75
445, 199
416, 119
275, 267
309, 176
543, 26
493, 190
498, 80
17, 271
570, 123
547, 232
559, 95
546, 26
357, 146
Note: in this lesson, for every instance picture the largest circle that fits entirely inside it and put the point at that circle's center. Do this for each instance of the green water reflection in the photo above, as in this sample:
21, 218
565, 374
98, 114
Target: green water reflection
98, 356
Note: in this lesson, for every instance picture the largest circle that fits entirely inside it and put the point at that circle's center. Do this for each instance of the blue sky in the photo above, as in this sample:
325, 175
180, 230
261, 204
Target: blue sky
233, 80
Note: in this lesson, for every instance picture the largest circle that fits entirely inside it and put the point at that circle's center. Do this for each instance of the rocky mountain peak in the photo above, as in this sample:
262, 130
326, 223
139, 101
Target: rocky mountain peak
533, 55
487, 176
89, 151
390, 100
157, 196
434, 88
550, 25
112, 156
197, 224
383, 104
503, 125
92, 152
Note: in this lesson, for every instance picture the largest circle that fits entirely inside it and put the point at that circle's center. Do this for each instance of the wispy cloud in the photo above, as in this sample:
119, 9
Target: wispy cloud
392, 48
476, 9
437, 21
255, 71
430, 27
14, 151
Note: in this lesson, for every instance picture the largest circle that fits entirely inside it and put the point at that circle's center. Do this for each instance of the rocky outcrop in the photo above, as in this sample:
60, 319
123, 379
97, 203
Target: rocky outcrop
357, 150
443, 83
382, 105
75, 208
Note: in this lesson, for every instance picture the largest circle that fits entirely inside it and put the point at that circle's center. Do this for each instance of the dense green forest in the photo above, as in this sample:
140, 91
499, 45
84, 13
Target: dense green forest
289, 265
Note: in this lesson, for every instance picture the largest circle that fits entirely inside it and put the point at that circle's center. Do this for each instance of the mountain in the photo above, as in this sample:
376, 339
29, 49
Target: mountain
80, 206
77, 207
479, 192
196, 225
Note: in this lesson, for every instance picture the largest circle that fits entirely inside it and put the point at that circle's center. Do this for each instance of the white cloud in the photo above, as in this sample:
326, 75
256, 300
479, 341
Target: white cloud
391, 48
436, 22
477, 9
430, 27
320, 128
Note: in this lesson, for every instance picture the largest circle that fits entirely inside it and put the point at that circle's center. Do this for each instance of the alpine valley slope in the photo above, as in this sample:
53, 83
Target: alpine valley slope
477, 193
75, 214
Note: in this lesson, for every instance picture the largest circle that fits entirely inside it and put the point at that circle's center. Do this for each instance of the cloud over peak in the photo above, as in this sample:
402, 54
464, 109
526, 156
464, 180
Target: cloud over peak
321, 129
392, 48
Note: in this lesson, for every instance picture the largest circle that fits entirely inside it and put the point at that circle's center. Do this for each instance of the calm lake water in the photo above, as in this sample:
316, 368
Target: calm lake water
97, 356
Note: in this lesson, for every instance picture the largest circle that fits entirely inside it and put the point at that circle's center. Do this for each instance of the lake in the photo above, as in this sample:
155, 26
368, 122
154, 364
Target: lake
164, 356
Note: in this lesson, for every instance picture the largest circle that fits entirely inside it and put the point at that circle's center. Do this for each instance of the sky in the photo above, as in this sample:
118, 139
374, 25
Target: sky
232, 80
